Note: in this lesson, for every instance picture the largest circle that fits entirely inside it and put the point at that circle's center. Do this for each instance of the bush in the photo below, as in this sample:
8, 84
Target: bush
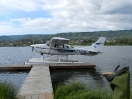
7, 91
80, 91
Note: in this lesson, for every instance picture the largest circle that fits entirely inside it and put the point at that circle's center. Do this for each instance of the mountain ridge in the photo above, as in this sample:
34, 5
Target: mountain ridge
72, 35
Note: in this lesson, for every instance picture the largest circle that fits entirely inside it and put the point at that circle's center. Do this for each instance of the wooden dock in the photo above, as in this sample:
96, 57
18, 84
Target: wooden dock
71, 66
15, 67
38, 84
51, 65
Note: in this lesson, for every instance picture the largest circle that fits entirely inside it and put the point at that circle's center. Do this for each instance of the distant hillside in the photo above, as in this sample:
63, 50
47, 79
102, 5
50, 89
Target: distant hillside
72, 35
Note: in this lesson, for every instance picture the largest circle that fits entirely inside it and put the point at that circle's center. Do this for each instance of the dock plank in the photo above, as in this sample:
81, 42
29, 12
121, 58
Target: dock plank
42, 96
37, 82
49, 96
71, 65
35, 96
15, 67
28, 97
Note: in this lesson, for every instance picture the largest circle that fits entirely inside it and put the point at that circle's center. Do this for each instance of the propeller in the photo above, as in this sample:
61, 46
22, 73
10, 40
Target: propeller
32, 47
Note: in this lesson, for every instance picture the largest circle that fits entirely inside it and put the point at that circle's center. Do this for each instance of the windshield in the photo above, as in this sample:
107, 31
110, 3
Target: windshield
48, 43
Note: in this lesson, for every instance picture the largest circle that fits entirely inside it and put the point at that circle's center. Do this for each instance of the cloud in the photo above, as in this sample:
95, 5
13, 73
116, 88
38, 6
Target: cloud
67, 15
7, 27
23, 5
116, 7
87, 15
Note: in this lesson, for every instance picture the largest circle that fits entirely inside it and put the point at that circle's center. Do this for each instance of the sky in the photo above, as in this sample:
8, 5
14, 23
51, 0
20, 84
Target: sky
19, 17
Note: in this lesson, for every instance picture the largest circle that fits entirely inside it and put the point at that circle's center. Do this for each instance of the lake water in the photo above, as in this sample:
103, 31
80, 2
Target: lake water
106, 61
16, 78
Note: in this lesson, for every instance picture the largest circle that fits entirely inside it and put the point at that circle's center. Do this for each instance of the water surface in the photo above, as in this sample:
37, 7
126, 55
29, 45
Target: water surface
111, 57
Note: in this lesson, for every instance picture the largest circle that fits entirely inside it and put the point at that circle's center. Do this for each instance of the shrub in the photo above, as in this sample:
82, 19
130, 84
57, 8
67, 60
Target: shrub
80, 91
7, 91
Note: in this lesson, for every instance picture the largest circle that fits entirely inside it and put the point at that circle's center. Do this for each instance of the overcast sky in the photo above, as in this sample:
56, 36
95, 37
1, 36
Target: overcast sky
54, 16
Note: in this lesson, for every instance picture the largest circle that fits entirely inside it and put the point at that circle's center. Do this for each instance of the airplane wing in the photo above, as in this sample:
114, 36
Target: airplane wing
59, 40
58, 43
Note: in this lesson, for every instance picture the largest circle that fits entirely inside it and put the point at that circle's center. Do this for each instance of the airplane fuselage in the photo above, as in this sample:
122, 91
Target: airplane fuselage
59, 46
68, 50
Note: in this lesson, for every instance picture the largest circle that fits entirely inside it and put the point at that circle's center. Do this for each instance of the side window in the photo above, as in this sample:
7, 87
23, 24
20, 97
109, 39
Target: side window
55, 45
47, 44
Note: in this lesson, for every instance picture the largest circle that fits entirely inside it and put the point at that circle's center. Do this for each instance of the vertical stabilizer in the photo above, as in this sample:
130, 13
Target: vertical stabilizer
98, 45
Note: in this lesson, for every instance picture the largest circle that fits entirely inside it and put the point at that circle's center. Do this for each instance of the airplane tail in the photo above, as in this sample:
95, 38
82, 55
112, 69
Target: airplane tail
98, 45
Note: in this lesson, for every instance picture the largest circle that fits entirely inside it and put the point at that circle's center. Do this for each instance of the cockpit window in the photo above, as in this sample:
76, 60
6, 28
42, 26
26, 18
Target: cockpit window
48, 43
72, 47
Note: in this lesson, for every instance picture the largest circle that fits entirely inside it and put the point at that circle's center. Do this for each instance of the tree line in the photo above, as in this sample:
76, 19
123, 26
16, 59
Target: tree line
118, 37
28, 42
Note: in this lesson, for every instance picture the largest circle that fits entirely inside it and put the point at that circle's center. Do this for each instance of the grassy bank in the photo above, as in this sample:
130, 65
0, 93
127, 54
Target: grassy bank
80, 91
7, 91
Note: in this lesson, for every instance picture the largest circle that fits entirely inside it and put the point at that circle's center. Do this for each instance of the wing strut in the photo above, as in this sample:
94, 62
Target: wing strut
50, 46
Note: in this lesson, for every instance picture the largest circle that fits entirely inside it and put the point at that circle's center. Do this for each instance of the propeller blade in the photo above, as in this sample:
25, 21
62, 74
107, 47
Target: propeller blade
32, 49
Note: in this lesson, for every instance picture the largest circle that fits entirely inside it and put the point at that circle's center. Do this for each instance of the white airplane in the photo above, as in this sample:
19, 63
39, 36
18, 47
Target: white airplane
59, 46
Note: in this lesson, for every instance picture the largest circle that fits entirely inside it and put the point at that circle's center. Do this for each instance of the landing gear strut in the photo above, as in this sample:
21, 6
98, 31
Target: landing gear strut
42, 55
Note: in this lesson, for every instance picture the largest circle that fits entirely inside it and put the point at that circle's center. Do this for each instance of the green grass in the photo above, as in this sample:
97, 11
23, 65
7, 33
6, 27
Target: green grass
80, 91
131, 92
7, 91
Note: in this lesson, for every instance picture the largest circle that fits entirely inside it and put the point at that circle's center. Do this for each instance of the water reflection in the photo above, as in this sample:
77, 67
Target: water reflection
87, 76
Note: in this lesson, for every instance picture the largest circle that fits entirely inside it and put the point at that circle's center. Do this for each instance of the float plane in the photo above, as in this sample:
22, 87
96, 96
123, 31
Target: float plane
59, 46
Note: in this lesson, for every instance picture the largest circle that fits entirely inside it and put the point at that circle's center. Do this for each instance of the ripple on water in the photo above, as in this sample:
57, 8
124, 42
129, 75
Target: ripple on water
16, 78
